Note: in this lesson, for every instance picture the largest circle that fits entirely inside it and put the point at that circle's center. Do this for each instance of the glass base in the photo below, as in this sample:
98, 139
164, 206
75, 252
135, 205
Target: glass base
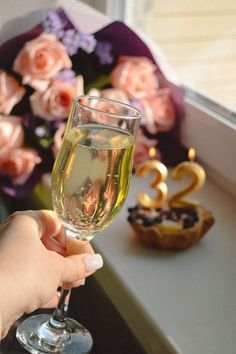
37, 336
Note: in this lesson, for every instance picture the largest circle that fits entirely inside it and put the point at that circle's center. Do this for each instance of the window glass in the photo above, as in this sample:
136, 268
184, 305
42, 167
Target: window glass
198, 39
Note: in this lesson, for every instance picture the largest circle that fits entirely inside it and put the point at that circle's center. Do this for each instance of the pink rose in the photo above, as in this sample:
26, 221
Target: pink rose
112, 94
159, 112
19, 164
142, 148
58, 138
11, 134
115, 95
10, 92
55, 102
40, 60
135, 76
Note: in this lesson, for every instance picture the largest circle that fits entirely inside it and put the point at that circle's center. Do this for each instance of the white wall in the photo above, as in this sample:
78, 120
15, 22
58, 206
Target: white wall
13, 8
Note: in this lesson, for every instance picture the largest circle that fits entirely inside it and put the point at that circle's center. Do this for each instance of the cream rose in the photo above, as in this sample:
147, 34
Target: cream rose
55, 102
159, 112
19, 164
11, 134
10, 92
135, 76
40, 60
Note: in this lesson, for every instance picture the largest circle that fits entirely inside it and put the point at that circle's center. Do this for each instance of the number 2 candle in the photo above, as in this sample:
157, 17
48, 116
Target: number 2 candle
197, 180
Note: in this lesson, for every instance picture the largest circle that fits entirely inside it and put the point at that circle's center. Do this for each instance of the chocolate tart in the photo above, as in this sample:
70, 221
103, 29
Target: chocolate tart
171, 229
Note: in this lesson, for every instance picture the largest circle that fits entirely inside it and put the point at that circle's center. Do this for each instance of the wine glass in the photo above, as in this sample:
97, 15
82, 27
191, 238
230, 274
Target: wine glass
90, 182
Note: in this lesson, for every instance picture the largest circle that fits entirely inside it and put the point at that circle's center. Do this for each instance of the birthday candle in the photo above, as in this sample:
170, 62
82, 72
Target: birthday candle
197, 180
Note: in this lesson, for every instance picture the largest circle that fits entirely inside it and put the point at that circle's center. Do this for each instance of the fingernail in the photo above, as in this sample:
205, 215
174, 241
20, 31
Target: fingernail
93, 262
82, 282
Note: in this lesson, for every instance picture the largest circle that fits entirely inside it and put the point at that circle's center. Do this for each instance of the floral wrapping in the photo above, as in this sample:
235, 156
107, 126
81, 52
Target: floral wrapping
40, 72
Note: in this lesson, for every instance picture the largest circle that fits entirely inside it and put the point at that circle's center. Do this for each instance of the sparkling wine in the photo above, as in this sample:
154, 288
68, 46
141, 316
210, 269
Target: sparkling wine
91, 177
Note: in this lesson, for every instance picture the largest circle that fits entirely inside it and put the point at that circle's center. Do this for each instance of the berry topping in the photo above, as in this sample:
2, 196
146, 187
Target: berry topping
181, 218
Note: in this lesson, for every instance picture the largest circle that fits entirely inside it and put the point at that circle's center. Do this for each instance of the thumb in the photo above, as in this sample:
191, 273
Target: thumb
77, 267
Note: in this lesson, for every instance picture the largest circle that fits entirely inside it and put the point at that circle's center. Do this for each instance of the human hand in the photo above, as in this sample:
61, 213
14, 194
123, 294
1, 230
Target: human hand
30, 273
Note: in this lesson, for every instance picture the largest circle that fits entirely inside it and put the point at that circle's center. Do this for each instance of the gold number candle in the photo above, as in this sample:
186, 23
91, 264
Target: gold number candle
197, 179
160, 171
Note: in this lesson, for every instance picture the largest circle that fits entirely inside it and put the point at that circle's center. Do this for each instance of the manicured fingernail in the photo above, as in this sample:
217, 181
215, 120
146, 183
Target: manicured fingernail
93, 262
82, 282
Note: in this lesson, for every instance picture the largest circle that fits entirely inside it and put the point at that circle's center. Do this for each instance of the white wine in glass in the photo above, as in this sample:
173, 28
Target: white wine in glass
90, 182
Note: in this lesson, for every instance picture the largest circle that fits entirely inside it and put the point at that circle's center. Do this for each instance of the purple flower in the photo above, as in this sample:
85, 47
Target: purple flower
137, 104
74, 40
66, 76
87, 42
52, 23
40, 131
103, 51
71, 41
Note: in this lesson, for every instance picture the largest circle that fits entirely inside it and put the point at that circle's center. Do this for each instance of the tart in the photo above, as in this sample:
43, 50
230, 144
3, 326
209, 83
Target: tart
170, 229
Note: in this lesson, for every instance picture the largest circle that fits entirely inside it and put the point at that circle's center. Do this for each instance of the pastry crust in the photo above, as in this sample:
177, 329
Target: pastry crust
163, 237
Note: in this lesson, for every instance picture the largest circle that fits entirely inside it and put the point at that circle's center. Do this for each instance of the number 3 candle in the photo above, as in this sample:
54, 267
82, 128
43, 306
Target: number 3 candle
198, 177
160, 171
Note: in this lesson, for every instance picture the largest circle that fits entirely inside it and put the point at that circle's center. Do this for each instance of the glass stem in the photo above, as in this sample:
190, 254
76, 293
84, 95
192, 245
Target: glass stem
53, 333
58, 318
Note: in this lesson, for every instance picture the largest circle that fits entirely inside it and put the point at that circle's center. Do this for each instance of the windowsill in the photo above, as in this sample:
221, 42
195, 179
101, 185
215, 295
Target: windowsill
175, 302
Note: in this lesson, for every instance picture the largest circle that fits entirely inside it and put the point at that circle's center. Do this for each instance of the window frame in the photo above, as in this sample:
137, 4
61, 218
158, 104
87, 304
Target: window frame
214, 138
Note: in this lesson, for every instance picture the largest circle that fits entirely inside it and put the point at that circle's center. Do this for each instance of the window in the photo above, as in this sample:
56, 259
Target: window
198, 38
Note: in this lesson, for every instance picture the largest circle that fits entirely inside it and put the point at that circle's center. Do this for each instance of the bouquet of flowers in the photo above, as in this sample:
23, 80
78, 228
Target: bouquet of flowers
40, 72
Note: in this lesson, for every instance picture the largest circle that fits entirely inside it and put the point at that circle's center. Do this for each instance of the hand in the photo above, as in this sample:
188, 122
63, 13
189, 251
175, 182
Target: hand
30, 273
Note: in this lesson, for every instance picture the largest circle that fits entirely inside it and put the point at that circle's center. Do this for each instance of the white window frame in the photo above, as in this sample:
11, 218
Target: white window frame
214, 138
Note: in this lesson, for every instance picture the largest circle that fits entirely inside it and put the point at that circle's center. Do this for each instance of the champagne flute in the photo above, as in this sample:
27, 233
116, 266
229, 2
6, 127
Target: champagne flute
90, 182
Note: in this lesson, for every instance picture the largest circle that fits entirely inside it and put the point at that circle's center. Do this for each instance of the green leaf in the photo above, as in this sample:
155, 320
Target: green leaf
101, 82
46, 142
